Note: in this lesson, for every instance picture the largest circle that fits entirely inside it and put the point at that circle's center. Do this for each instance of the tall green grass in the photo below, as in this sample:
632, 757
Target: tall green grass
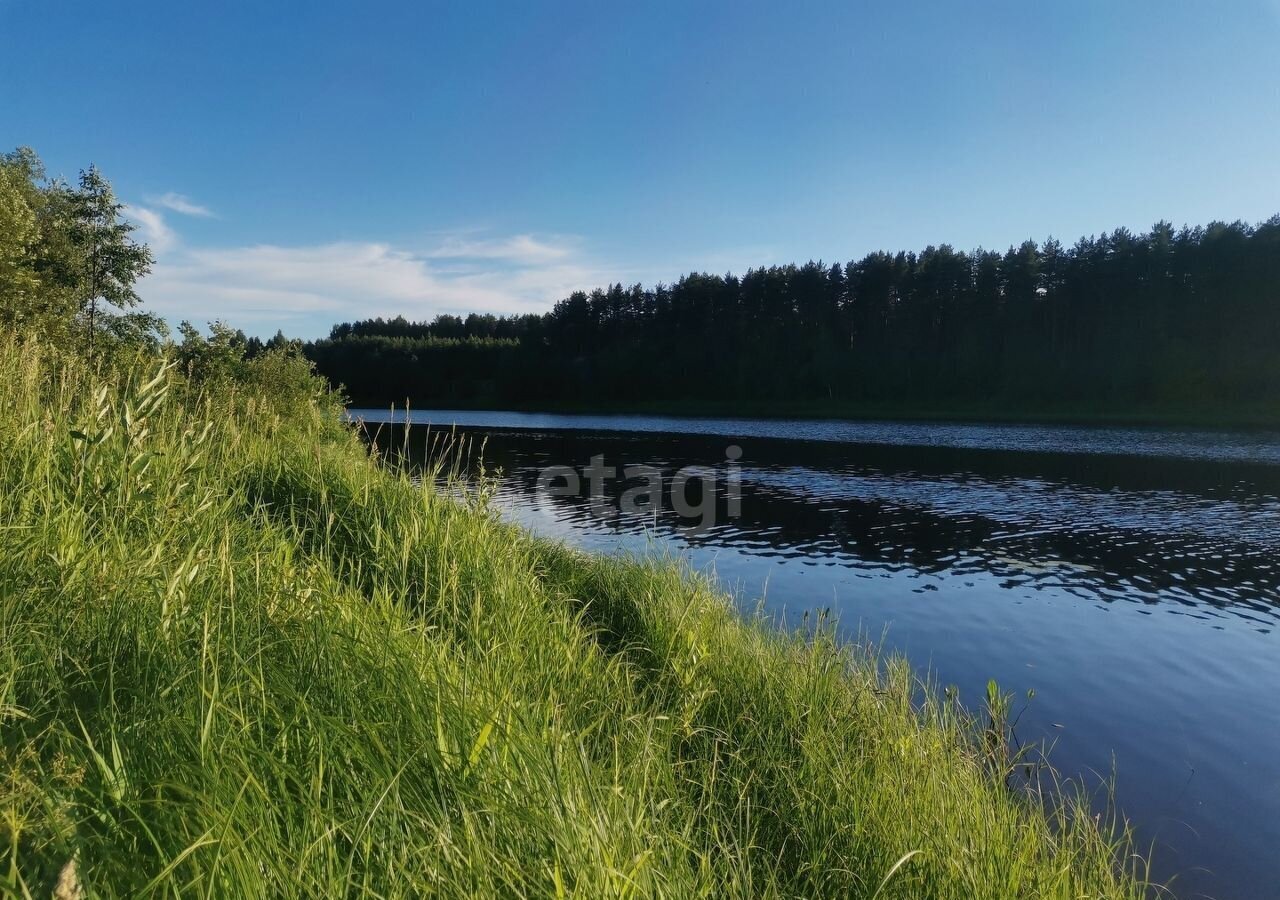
238, 657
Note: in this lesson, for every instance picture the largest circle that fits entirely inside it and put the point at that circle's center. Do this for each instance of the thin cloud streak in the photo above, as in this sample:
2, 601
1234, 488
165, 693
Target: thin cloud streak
520, 248
181, 203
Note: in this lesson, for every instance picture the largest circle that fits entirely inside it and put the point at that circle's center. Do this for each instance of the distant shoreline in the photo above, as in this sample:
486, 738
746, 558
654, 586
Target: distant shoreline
1242, 420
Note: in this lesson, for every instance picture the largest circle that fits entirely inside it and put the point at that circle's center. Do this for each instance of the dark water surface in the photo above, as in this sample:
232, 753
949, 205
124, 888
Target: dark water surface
1130, 577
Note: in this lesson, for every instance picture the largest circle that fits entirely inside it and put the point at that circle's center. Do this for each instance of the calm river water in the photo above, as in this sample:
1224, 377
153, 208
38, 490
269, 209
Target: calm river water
1130, 577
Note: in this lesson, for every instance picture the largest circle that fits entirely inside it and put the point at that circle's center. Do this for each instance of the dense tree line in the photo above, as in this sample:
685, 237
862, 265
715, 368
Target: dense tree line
1176, 320
1169, 322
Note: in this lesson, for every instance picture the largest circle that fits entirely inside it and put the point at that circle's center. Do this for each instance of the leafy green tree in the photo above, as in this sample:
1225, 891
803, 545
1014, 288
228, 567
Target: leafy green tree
214, 362
19, 234
67, 259
110, 261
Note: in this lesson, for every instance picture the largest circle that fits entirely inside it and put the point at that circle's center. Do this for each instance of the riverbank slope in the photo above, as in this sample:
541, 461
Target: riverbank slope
240, 657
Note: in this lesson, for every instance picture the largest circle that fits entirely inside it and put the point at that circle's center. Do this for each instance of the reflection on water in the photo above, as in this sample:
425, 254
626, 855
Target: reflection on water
1256, 446
1130, 577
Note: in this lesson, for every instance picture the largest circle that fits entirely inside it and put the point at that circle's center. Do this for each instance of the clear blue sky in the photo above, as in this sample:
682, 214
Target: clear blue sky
297, 164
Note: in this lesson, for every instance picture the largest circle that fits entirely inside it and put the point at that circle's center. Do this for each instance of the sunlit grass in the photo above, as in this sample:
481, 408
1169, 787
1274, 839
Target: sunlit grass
239, 657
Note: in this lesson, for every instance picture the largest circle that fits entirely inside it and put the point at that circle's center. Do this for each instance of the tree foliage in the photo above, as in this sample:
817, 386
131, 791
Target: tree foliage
109, 261
68, 260
69, 268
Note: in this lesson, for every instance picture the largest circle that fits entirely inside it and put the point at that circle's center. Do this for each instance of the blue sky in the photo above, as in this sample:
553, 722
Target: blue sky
297, 164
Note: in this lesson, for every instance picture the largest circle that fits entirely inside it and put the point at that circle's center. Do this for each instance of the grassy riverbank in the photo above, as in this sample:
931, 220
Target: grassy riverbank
240, 658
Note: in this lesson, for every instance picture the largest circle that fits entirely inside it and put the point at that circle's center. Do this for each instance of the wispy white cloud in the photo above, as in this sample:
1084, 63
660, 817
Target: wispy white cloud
306, 288
521, 248
155, 230
181, 203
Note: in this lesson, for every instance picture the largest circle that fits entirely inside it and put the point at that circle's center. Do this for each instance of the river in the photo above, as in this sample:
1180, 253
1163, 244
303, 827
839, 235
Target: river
1129, 577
